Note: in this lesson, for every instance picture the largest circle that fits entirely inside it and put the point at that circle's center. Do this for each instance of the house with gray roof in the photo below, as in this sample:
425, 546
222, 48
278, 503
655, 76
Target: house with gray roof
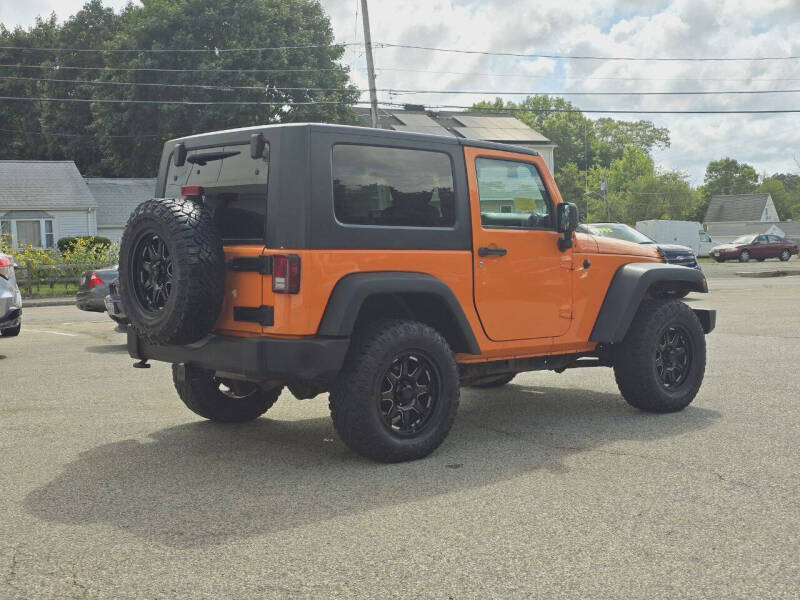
741, 207
501, 128
42, 201
116, 200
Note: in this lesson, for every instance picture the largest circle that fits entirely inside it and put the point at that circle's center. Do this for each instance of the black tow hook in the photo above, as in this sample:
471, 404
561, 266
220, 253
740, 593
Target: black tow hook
142, 364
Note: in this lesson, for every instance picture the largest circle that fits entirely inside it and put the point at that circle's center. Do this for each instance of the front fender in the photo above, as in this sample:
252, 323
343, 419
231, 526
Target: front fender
626, 291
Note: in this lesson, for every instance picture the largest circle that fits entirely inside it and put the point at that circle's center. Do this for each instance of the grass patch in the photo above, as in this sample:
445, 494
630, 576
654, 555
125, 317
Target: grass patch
48, 291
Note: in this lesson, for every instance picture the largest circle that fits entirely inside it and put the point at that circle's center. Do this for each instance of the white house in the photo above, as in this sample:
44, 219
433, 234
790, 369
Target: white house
116, 200
741, 207
42, 201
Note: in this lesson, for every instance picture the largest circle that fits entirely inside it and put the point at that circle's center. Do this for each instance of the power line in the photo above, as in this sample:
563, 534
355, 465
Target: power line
523, 76
89, 135
222, 87
603, 111
178, 102
391, 90
158, 70
581, 57
178, 50
593, 93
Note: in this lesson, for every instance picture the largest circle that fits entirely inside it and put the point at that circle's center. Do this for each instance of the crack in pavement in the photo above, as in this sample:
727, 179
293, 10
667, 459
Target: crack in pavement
648, 457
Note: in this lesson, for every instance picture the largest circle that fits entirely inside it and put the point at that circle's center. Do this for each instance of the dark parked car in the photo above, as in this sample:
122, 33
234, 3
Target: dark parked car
760, 247
672, 253
114, 305
93, 289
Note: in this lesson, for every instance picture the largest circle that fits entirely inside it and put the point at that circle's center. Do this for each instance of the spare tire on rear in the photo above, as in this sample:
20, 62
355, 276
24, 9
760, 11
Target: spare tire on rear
172, 271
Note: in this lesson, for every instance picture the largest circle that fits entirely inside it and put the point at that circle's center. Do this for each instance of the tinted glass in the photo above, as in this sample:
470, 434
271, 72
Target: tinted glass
762, 239
389, 187
235, 186
774, 239
618, 231
512, 194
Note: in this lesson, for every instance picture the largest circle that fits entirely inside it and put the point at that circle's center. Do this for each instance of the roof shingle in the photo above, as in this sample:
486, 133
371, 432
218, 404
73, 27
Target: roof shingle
736, 207
117, 198
43, 185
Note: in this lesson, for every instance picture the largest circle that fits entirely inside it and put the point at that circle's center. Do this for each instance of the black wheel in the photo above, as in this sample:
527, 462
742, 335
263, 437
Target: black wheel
744, 256
719, 260
494, 382
760, 259
785, 255
171, 271
397, 394
11, 331
224, 400
660, 364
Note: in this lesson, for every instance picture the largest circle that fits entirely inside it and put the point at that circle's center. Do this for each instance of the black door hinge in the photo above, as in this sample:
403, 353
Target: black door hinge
263, 315
259, 264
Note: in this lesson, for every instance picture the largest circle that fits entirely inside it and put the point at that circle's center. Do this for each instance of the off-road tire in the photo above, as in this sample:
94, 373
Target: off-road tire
635, 357
198, 271
785, 256
201, 393
354, 397
11, 331
744, 256
496, 382
720, 260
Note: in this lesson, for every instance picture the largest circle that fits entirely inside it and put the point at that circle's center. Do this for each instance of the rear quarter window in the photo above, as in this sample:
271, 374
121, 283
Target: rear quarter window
392, 187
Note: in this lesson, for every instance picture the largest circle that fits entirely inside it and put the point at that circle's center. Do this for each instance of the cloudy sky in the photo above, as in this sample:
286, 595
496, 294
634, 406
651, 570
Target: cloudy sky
625, 28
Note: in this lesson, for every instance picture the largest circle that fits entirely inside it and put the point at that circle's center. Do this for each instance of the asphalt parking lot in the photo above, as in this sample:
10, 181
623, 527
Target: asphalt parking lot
550, 487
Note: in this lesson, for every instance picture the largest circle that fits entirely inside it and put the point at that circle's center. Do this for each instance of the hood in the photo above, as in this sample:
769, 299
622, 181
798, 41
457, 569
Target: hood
607, 245
725, 247
675, 249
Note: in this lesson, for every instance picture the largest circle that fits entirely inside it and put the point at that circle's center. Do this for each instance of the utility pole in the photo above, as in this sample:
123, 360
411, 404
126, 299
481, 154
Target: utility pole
373, 97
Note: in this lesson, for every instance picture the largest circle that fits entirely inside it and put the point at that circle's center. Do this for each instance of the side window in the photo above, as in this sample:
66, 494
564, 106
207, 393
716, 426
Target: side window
774, 239
762, 239
512, 194
392, 187
704, 237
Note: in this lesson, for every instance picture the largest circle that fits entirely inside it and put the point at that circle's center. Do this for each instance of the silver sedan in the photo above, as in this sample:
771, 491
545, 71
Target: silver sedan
10, 299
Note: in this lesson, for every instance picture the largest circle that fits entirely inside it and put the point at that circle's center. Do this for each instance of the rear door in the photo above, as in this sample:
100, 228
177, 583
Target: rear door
522, 282
235, 188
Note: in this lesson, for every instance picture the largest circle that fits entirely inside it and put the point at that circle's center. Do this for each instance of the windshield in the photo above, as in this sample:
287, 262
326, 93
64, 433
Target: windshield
744, 239
618, 231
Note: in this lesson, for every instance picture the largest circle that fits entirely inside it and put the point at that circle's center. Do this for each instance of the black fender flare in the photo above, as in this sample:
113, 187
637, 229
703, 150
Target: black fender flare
352, 290
626, 291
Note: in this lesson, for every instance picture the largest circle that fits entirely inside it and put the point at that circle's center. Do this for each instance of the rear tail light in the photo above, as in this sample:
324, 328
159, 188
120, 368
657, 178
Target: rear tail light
285, 273
95, 280
6, 266
191, 191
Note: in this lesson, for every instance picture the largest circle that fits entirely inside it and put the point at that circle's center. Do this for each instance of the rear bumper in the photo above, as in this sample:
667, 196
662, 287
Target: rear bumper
90, 300
11, 319
286, 360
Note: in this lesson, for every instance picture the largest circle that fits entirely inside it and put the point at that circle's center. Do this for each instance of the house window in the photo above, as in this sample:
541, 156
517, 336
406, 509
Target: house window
28, 228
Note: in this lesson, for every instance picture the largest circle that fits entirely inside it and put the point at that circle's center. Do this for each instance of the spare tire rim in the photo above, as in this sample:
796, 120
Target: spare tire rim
408, 393
673, 357
153, 272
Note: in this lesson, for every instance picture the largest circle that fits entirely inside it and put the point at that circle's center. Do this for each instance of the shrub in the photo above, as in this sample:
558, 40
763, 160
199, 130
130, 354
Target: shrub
68, 243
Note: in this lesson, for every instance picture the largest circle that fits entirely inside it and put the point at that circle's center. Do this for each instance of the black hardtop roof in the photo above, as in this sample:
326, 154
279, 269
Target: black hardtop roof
228, 135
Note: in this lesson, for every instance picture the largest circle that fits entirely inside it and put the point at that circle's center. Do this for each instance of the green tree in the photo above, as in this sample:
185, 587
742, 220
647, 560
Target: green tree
571, 183
784, 200
725, 176
104, 145
581, 141
220, 24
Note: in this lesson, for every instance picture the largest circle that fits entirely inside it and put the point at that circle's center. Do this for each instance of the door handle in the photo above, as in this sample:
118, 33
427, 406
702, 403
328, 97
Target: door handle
484, 251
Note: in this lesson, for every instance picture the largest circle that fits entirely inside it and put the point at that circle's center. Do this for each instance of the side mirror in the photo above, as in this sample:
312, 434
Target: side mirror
566, 223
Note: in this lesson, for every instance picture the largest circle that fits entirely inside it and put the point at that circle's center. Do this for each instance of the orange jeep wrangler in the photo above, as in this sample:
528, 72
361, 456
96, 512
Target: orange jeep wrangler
389, 269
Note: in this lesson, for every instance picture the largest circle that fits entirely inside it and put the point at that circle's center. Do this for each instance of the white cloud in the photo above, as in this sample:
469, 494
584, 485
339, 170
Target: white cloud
686, 28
